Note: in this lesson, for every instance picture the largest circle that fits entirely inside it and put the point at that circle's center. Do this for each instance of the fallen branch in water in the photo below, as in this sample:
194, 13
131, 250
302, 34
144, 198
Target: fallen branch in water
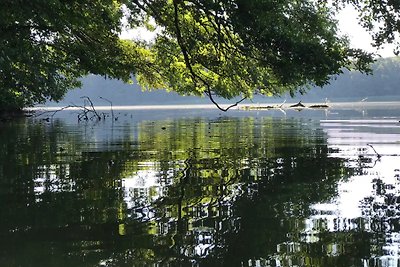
281, 105
319, 106
92, 109
377, 154
84, 109
111, 106
298, 105
86, 113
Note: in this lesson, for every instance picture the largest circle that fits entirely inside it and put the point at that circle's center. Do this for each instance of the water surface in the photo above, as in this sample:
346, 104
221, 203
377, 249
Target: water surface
201, 188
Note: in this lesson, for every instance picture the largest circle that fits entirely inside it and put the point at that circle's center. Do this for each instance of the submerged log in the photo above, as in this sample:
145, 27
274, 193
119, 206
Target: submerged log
319, 106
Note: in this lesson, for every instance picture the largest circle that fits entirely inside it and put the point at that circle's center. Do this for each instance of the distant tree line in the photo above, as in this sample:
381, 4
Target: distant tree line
384, 82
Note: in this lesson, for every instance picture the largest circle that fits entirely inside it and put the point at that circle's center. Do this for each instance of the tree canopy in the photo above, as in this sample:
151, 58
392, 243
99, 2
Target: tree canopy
226, 48
45, 46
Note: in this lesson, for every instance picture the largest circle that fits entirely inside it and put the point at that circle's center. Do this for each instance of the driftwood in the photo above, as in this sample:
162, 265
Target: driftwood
280, 106
298, 105
377, 154
319, 106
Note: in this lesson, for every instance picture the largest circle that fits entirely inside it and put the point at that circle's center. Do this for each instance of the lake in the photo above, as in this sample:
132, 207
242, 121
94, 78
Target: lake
197, 187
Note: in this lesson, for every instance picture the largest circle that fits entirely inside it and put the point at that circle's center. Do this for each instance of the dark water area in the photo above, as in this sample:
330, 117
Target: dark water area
200, 188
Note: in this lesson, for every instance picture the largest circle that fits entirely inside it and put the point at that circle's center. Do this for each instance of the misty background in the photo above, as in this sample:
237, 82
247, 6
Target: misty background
351, 86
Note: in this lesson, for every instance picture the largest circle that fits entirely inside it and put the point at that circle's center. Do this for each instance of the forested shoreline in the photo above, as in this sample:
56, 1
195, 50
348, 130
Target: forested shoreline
383, 85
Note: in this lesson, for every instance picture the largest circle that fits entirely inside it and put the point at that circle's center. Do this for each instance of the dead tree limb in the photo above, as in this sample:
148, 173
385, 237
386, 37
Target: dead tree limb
377, 154
111, 105
92, 107
84, 111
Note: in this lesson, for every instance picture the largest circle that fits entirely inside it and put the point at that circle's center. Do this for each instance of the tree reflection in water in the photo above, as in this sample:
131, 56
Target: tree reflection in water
223, 192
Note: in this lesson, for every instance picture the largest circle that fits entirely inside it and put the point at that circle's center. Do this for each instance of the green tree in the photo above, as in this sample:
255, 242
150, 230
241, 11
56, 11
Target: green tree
45, 46
238, 48
213, 48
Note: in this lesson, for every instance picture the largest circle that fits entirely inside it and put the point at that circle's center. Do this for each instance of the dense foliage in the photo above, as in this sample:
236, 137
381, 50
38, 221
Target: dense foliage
46, 45
225, 48
238, 48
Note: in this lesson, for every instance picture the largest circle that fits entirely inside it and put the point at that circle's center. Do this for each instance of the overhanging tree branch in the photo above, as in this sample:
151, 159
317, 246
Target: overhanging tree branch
186, 57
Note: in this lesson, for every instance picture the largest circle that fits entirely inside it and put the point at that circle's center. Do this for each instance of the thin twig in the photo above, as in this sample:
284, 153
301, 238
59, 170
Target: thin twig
111, 105
281, 105
54, 112
377, 154
92, 106
209, 94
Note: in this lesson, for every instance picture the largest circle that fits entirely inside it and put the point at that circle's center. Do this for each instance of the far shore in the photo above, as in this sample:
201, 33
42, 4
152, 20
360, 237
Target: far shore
249, 107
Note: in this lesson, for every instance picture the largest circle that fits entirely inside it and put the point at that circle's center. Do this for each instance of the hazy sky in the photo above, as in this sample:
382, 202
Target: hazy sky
359, 38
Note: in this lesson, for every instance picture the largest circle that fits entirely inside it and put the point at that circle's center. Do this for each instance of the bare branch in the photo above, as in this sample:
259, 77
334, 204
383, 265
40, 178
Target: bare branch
92, 106
209, 94
111, 105
377, 154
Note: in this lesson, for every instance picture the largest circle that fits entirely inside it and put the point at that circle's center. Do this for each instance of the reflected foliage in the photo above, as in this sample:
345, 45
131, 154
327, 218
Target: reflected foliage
221, 192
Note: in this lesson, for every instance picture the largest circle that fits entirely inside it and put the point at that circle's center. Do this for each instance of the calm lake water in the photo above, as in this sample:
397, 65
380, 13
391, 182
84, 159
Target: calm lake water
201, 188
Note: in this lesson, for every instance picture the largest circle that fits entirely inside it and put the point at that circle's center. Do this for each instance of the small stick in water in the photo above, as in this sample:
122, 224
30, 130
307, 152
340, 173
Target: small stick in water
377, 154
